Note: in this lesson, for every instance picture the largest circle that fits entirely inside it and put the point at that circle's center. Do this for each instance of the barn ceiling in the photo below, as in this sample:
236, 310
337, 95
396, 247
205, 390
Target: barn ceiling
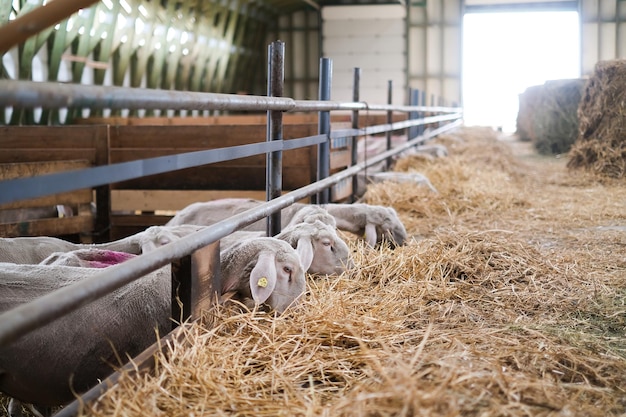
289, 6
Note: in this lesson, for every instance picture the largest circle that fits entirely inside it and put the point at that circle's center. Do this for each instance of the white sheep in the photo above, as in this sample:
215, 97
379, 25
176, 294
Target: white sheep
317, 244
87, 258
33, 250
274, 271
47, 365
374, 222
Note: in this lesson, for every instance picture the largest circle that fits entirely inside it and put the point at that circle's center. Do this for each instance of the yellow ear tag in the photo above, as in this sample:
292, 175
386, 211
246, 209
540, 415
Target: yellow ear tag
262, 282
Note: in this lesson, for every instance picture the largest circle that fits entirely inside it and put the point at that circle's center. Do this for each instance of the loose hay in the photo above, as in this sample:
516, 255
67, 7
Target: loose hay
500, 306
601, 143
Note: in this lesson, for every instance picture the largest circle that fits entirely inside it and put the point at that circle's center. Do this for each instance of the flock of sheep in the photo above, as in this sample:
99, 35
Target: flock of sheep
47, 366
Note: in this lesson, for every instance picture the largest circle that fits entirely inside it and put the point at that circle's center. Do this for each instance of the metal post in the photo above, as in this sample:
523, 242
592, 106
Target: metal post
323, 150
389, 120
274, 167
423, 114
413, 101
355, 125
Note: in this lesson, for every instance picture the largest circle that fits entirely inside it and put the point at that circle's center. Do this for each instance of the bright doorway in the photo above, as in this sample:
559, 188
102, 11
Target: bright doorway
504, 53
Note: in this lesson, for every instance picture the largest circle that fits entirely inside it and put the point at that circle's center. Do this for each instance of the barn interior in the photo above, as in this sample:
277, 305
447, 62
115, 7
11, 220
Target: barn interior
507, 297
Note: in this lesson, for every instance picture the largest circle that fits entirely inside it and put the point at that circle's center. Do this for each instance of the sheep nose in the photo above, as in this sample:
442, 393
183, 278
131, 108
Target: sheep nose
346, 264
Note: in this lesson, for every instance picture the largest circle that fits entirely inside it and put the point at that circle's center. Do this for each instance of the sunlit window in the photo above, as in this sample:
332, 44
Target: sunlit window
504, 53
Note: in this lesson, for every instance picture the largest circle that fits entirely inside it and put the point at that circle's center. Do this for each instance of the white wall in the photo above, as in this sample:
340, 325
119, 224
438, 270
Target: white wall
371, 38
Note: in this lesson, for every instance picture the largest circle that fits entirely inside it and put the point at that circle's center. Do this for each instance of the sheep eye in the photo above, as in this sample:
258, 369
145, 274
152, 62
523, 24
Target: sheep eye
288, 270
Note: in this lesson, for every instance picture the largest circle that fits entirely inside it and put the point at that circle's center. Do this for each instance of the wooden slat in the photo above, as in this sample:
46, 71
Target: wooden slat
23, 170
152, 200
19, 170
72, 198
340, 159
19, 155
296, 157
48, 227
50, 143
218, 178
143, 221
198, 137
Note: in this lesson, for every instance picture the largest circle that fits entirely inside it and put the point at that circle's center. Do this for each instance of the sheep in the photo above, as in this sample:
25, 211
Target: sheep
47, 365
316, 242
44, 366
87, 258
376, 223
370, 146
274, 269
402, 177
33, 250
211, 212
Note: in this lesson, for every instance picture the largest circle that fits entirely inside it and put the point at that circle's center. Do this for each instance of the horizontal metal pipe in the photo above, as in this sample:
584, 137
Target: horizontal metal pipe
42, 185
60, 95
313, 105
31, 94
27, 317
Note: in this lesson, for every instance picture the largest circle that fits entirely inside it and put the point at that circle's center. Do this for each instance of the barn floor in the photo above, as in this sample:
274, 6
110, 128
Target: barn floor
509, 300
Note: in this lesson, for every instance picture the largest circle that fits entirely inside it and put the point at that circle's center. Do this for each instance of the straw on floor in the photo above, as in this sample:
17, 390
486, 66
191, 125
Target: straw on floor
509, 299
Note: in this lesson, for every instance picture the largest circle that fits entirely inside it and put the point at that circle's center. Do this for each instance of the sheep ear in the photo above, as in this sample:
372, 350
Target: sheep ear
305, 251
370, 234
263, 277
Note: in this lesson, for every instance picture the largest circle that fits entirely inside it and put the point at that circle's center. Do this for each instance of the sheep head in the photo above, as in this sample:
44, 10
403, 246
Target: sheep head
307, 213
375, 223
156, 236
318, 244
266, 270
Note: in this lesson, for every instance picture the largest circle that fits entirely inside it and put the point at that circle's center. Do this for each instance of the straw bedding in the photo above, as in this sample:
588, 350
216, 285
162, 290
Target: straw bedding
601, 143
509, 300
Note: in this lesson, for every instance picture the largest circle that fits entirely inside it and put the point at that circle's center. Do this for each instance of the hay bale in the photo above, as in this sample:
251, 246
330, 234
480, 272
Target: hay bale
526, 112
601, 146
548, 115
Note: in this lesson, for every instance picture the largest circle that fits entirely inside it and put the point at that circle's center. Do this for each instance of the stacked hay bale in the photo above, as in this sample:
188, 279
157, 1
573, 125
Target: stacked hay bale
526, 112
601, 143
548, 115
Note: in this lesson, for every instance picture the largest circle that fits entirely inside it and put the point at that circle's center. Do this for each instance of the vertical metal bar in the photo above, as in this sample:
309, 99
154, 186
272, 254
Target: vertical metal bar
323, 149
355, 125
422, 102
389, 120
413, 101
274, 167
